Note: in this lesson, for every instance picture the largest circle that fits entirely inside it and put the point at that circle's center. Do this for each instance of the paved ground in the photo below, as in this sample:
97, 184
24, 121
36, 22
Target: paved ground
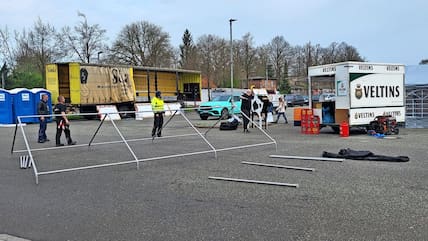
5, 237
173, 199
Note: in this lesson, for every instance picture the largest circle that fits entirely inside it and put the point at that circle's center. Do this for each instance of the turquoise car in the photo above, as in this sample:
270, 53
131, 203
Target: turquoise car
220, 106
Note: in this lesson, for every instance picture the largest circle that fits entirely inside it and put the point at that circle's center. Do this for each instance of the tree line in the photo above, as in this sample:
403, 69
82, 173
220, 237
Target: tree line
25, 53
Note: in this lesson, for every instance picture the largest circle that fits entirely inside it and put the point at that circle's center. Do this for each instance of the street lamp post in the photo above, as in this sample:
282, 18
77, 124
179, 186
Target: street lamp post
98, 56
267, 74
231, 58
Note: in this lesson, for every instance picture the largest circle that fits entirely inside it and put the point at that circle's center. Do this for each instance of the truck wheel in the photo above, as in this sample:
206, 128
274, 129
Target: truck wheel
89, 117
204, 117
224, 114
123, 108
88, 109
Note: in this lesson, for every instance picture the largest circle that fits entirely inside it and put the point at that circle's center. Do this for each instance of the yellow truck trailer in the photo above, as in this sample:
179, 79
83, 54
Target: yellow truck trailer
89, 85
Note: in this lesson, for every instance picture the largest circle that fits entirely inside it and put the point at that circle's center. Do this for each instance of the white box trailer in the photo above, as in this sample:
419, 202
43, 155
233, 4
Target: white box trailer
363, 91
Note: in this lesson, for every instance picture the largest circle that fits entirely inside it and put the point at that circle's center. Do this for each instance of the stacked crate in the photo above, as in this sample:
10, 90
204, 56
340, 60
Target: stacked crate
310, 124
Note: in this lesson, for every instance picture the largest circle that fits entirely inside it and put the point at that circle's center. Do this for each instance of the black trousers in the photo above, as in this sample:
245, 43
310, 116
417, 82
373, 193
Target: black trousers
157, 124
246, 120
63, 127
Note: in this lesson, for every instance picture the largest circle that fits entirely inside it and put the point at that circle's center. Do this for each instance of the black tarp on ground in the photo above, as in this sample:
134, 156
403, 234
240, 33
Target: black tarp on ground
364, 155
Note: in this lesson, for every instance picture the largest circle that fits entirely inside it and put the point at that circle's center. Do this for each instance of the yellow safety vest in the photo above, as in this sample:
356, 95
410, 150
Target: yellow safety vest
157, 104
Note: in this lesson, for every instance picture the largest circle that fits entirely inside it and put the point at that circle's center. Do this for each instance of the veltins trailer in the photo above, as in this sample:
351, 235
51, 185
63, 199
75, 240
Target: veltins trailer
362, 91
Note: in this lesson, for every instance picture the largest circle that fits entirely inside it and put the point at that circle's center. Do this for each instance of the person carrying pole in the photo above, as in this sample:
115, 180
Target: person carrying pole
158, 110
246, 107
62, 123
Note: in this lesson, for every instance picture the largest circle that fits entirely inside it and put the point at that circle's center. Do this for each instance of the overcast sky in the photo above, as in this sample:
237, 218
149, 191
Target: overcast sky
382, 30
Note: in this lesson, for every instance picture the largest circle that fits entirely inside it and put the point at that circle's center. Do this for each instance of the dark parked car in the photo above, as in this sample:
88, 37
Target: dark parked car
306, 98
293, 100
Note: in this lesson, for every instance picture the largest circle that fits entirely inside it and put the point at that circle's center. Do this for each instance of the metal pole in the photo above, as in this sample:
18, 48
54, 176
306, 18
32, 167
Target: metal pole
199, 133
14, 137
254, 181
261, 129
125, 141
102, 143
244, 146
267, 74
219, 119
27, 145
3, 73
98, 57
231, 59
279, 166
170, 118
309, 92
122, 163
308, 158
99, 126
2, 80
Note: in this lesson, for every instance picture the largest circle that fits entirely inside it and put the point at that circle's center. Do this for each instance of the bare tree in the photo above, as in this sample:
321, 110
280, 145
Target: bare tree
304, 57
262, 60
29, 51
43, 45
246, 56
6, 50
213, 52
6, 55
297, 67
335, 53
280, 53
142, 43
83, 41
316, 55
347, 52
221, 57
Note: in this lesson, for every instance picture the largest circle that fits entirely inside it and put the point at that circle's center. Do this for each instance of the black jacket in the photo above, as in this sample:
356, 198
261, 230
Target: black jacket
42, 108
58, 109
246, 102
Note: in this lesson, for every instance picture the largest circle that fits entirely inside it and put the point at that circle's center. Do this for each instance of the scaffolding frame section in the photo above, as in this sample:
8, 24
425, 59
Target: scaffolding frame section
135, 159
258, 126
417, 101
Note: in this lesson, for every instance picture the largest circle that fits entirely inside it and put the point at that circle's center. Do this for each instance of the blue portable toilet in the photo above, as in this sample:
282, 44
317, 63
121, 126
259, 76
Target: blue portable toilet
23, 104
6, 112
37, 96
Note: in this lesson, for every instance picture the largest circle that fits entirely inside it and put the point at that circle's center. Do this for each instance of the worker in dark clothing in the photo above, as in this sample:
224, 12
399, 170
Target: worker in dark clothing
265, 100
62, 123
246, 107
43, 109
158, 110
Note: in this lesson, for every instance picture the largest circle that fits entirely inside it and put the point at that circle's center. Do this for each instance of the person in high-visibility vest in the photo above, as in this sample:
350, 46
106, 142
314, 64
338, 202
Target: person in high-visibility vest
158, 110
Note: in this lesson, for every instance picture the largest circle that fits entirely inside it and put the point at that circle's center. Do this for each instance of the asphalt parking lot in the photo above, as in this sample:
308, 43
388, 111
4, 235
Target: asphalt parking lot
173, 199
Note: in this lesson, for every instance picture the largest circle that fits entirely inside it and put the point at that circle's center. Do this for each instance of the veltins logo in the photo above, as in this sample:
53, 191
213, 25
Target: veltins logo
358, 92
